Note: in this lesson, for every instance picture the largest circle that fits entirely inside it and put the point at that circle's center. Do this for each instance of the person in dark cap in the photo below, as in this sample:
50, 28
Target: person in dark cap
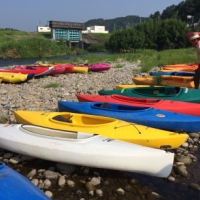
194, 38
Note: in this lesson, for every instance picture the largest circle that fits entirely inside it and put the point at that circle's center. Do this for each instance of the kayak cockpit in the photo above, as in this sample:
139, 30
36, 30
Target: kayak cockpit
158, 91
43, 131
82, 119
118, 107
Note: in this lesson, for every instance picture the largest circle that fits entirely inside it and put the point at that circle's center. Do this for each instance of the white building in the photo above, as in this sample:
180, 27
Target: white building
95, 29
43, 29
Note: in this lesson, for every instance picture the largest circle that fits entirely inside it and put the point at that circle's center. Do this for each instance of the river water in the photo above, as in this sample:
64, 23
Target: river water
9, 62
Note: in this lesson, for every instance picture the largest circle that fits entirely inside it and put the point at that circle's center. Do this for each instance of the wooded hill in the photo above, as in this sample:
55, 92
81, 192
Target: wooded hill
117, 23
180, 11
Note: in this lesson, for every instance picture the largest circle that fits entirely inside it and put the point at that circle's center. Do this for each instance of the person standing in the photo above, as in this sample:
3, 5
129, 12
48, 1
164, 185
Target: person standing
194, 38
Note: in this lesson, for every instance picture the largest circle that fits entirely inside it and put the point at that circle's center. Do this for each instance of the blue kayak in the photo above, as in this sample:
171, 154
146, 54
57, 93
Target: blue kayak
14, 186
147, 116
30, 76
171, 73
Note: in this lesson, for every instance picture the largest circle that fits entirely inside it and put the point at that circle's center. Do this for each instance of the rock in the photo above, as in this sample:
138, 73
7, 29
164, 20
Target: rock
7, 155
27, 158
35, 181
99, 193
120, 192
61, 181
49, 194
128, 188
154, 196
70, 183
181, 169
3, 117
179, 163
171, 178
14, 160
3, 92
96, 180
65, 168
86, 171
41, 184
106, 183
194, 135
89, 186
47, 184
194, 186
133, 181
32, 174
185, 144
50, 175
184, 159
194, 158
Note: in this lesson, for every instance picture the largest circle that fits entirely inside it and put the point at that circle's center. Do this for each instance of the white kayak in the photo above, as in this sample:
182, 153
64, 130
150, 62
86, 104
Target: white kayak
85, 149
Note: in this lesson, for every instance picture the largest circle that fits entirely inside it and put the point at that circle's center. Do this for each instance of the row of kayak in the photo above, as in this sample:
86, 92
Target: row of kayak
82, 131
180, 75
91, 140
23, 73
180, 81
100, 131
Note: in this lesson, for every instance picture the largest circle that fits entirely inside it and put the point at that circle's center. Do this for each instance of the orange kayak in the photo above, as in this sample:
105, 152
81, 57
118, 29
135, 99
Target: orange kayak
178, 81
180, 67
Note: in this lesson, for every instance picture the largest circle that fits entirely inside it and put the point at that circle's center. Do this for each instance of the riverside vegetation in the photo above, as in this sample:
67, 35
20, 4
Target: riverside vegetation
149, 59
20, 44
24, 45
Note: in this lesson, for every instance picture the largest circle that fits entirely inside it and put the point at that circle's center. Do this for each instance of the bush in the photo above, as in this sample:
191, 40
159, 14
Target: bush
96, 48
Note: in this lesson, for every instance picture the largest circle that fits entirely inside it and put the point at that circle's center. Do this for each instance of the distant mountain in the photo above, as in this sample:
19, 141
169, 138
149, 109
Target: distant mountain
180, 11
116, 23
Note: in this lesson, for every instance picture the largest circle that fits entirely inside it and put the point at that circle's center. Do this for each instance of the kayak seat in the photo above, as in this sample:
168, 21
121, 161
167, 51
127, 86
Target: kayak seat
62, 119
173, 91
105, 105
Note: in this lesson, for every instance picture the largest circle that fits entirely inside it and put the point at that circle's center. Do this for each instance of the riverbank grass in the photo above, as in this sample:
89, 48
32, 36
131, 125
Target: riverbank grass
148, 59
52, 85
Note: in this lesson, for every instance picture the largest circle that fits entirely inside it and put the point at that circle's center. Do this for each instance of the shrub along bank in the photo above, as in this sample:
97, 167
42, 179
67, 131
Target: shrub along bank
19, 44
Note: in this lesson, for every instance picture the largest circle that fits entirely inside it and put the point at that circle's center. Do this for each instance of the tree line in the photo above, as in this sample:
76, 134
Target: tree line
160, 31
154, 33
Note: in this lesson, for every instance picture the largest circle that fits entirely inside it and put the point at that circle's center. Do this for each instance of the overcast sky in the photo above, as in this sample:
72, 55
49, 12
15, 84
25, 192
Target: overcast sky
26, 15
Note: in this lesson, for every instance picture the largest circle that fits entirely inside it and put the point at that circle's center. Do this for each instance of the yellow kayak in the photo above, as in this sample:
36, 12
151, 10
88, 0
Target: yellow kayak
122, 86
15, 77
105, 126
80, 69
179, 81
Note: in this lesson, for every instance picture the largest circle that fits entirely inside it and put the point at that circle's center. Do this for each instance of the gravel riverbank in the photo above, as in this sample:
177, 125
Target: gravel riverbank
61, 181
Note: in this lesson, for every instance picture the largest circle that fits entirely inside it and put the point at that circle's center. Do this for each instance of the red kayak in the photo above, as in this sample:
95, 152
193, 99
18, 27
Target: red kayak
68, 68
173, 106
23, 69
58, 69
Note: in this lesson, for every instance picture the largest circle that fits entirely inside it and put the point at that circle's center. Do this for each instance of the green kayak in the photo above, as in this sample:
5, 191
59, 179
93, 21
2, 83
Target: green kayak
165, 92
